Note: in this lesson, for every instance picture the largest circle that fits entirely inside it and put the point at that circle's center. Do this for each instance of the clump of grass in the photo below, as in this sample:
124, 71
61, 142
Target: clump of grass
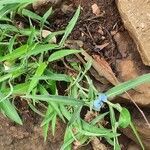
25, 62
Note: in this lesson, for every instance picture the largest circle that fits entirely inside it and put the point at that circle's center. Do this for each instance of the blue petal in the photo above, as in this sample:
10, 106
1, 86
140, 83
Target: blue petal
98, 103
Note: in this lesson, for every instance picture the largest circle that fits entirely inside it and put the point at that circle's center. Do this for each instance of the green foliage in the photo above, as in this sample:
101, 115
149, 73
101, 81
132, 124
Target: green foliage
121, 88
10, 111
125, 118
62, 53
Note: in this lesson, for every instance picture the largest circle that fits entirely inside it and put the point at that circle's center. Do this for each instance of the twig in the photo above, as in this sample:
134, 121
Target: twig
87, 28
142, 113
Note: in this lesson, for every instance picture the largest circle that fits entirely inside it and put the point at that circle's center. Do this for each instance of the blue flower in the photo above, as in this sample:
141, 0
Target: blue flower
98, 103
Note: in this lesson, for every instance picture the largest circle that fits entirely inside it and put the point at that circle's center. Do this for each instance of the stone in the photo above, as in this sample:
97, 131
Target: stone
41, 6
128, 70
135, 15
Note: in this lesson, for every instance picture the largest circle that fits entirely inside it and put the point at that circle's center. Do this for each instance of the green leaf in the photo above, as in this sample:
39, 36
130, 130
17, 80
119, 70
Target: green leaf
45, 131
15, 54
40, 48
18, 89
45, 16
112, 116
47, 119
10, 111
52, 105
87, 133
137, 135
68, 140
125, 118
35, 109
31, 15
65, 112
62, 53
70, 26
75, 115
91, 130
55, 77
31, 36
58, 99
38, 73
123, 87
11, 44
4, 2
7, 9
98, 118
54, 119
5, 77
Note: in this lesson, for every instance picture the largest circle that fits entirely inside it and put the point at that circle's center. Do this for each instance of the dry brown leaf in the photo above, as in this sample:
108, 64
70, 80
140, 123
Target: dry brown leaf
102, 67
45, 33
90, 115
102, 46
97, 145
100, 30
95, 9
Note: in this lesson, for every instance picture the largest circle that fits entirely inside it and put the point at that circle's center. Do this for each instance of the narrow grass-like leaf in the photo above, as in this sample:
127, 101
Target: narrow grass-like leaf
35, 109
59, 99
8, 27
65, 112
5, 77
68, 140
31, 15
125, 118
40, 48
75, 116
31, 36
45, 16
87, 133
18, 89
98, 118
45, 130
55, 77
112, 116
119, 89
70, 26
38, 73
4, 2
55, 106
95, 130
54, 119
15, 54
137, 135
10, 111
62, 53
52, 105
47, 119
11, 44
48, 116
6, 9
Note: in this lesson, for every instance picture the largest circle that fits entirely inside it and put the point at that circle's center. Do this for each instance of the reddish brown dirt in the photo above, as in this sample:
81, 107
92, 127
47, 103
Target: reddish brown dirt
28, 137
